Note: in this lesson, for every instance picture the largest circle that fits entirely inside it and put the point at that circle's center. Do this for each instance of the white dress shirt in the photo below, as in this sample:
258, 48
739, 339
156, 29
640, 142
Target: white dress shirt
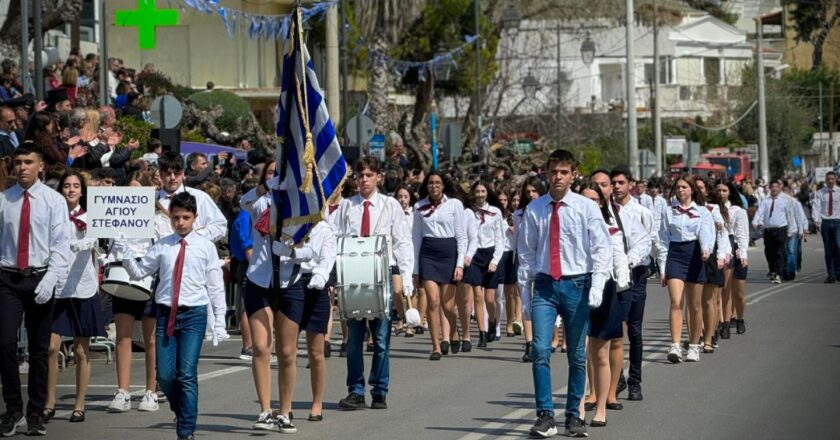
781, 217
259, 268
621, 267
798, 214
679, 227
645, 200
510, 236
585, 245
739, 226
82, 280
201, 279
386, 218
49, 230
820, 211
445, 221
471, 229
210, 222
638, 229
490, 233
724, 248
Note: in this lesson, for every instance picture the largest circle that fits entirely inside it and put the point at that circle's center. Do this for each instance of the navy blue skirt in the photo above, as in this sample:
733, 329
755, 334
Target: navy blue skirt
713, 274
605, 321
685, 262
478, 274
740, 271
438, 259
308, 308
509, 266
75, 317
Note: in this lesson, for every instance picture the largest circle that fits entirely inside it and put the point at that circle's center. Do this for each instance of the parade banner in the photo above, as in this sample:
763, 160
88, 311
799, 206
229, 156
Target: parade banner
129, 211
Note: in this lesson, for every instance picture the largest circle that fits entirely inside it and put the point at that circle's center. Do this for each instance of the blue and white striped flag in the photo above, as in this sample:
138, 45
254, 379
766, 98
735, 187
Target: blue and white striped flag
315, 166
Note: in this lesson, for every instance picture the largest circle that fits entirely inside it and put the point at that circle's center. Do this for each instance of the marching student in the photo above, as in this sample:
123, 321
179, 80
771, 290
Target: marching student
463, 294
440, 245
35, 254
794, 244
735, 273
567, 253
775, 217
606, 319
406, 199
190, 279
826, 215
369, 214
259, 300
78, 311
687, 234
711, 296
482, 273
643, 244
509, 266
532, 189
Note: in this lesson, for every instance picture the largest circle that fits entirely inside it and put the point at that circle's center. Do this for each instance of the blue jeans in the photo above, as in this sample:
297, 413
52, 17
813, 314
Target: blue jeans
379, 373
793, 246
177, 363
830, 232
568, 297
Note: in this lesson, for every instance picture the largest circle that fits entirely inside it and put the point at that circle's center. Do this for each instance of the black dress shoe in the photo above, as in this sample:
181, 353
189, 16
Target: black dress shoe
352, 401
598, 423
455, 347
510, 335
327, 349
740, 327
444, 347
622, 385
466, 346
589, 406
617, 406
634, 392
435, 356
482, 339
315, 418
725, 330
527, 356
49, 413
77, 417
830, 280
342, 350
378, 403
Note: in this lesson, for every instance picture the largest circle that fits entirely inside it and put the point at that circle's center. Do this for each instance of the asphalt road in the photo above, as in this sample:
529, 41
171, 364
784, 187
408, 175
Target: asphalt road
777, 381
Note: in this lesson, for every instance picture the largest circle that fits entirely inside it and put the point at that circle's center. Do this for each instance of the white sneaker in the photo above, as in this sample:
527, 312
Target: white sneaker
265, 422
675, 354
121, 402
149, 402
693, 353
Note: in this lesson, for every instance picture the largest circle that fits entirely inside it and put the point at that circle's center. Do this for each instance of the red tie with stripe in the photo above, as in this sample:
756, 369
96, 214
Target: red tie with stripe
176, 288
365, 232
554, 242
23, 234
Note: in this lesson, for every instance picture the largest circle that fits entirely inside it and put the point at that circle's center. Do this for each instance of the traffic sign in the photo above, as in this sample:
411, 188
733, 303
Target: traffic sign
359, 130
166, 111
376, 146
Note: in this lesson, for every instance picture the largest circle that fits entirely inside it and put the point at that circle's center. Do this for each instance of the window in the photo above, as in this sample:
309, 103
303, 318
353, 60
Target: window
711, 71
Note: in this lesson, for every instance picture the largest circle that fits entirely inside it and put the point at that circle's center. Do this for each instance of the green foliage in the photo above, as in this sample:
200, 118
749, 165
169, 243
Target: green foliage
160, 84
131, 128
808, 17
789, 120
806, 83
235, 109
442, 27
193, 135
715, 9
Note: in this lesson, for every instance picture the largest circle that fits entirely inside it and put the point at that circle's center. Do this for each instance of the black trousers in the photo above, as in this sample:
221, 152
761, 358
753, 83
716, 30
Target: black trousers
17, 301
634, 322
775, 249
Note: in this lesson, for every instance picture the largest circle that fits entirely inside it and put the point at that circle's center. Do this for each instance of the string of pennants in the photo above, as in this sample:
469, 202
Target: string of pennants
401, 67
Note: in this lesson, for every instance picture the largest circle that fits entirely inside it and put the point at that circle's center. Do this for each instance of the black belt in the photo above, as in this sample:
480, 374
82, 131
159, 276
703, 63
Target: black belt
181, 309
26, 273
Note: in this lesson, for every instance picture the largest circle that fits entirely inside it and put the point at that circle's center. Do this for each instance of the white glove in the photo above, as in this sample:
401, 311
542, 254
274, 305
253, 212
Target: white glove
44, 291
408, 287
317, 282
119, 246
595, 297
280, 249
219, 331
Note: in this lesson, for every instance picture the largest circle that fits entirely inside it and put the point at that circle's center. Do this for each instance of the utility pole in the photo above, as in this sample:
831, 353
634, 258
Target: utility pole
832, 152
478, 44
345, 99
632, 132
763, 158
104, 65
559, 85
26, 78
39, 48
657, 113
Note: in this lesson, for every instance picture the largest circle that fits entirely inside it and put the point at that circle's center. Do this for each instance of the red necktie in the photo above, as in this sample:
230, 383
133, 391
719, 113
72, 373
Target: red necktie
176, 288
830, 202
686, 211
772, 206
23, 234
366, 220
554, 242
80, 225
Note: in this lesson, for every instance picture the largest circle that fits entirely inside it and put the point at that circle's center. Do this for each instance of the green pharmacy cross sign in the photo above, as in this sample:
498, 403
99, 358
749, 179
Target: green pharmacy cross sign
146, 18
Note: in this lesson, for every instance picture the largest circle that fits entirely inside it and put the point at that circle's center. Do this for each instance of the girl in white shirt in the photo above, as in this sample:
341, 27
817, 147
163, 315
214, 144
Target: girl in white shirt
403, 195
508, 265
482, 273
440, 245
735, 273
532, 189
687, 233
77, 312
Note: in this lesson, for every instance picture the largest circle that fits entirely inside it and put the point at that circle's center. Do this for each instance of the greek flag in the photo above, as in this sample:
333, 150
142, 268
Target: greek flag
314, 165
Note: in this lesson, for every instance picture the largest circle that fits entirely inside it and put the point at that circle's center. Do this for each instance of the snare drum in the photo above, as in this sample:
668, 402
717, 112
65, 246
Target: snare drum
363, 269
117, 282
